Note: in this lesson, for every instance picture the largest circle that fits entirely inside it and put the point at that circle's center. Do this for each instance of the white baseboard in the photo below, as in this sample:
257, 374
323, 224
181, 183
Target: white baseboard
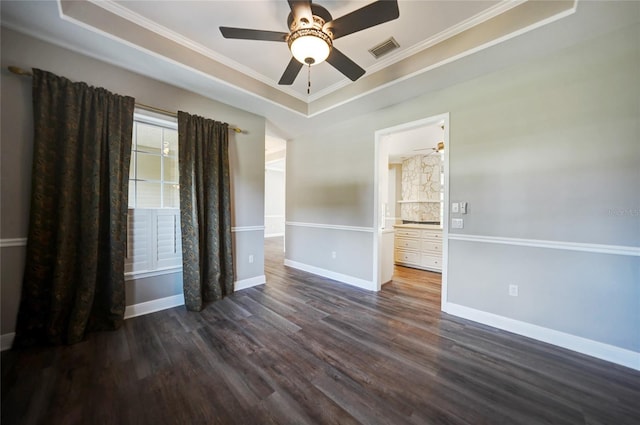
586, 346
6, 341
153, 306
274, 235
239, 285
349, 280
177, 300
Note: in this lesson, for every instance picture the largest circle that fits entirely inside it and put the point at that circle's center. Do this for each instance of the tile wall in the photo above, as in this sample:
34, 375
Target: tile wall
420, 186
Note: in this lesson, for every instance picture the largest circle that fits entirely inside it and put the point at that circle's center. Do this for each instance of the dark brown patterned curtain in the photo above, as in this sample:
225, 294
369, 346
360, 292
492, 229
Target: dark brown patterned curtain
205, 209
74, 274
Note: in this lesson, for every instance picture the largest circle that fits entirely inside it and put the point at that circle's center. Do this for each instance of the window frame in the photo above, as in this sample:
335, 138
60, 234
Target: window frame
150, 253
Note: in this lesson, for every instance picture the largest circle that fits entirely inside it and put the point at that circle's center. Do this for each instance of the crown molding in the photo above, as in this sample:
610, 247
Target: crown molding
471, 22
131, 16
554, 16
125, 13
68, 13
402, 66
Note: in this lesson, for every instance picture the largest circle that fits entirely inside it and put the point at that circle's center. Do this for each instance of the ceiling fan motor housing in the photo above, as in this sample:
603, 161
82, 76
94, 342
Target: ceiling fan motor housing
320, 16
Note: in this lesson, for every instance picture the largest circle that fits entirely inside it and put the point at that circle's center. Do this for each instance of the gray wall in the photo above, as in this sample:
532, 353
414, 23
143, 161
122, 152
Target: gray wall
545, 150
246, 156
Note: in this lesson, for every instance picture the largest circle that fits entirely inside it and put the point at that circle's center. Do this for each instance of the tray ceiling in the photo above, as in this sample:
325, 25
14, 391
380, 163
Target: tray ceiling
179, 42
187, 32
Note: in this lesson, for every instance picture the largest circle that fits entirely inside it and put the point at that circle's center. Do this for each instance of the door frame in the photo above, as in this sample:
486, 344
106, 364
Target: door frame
378, 217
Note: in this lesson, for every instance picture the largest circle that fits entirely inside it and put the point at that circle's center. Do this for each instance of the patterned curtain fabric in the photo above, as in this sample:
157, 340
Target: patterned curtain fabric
74, 274
205, 210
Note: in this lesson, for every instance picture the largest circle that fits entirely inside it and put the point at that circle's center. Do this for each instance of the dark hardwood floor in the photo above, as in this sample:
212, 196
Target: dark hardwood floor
306, 350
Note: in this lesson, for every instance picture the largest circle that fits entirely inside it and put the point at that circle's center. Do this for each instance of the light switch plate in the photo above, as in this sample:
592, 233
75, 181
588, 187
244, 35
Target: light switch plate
454, 207
463, 207
457, 223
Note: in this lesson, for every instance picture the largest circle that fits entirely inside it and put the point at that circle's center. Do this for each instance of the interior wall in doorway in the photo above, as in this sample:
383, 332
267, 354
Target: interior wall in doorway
274, 187
395, 195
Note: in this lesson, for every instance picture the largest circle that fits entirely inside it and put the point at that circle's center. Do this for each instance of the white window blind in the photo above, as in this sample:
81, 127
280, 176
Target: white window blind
153, 241
139, 235
168, 245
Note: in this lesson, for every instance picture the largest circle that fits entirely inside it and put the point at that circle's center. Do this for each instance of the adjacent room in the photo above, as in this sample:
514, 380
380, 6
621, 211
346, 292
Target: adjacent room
320, 212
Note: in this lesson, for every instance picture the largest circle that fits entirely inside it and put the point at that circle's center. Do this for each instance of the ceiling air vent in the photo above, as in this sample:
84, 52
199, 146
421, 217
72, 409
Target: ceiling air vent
384, 48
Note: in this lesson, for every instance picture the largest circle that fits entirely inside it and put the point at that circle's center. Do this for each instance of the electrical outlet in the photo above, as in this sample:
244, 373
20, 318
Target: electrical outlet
333, 255
513, 290
457, 223
251, 259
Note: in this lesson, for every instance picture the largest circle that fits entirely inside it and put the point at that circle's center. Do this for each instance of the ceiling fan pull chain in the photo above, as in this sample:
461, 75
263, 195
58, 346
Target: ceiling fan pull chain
309, 80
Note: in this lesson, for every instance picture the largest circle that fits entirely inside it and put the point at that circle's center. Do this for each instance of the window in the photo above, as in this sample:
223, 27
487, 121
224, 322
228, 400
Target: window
153, 223
153, 174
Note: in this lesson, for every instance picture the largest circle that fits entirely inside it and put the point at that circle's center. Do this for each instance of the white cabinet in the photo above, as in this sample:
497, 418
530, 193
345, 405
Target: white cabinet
418, 247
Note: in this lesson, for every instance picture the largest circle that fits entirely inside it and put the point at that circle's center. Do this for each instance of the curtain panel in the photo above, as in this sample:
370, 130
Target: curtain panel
74, 273
205, 209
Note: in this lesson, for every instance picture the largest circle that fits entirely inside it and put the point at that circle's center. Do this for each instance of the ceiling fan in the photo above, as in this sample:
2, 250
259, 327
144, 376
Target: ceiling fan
312, 31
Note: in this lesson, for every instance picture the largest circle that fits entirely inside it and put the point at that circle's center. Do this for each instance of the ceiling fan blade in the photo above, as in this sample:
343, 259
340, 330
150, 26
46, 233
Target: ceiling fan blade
301, 9
290, 74
249, 34
368, 16
345, 65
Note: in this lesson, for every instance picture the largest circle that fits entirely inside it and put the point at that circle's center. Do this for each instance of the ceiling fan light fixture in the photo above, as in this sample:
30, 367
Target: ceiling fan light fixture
310, 46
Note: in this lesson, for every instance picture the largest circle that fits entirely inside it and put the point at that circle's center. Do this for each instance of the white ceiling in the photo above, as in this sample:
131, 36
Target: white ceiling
179, 42
421, 140
198, 21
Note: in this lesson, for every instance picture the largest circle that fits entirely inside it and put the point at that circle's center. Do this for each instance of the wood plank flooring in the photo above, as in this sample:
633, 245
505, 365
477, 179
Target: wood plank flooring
307, 350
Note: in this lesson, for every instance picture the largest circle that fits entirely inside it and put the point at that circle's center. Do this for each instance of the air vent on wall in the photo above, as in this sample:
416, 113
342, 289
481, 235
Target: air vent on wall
384, 48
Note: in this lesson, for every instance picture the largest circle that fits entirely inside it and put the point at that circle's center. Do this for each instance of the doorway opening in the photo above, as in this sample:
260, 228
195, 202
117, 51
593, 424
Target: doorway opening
274, 198
411, 198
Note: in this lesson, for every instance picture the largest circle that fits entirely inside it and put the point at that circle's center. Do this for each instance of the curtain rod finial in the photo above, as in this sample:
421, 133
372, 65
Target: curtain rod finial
19, 71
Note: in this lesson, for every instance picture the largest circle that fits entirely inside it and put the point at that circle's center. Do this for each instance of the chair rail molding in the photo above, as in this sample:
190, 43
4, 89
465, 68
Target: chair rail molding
539, 243
330, 226
238, 229
11, 242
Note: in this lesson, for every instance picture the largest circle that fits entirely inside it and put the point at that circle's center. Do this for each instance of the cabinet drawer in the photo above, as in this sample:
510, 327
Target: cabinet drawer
431, 262
431, 246
408, 243
407, 257
410, 233
432, 234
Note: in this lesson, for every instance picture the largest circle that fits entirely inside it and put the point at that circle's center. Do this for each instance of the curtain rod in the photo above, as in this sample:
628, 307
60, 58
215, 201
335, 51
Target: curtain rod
19, 71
